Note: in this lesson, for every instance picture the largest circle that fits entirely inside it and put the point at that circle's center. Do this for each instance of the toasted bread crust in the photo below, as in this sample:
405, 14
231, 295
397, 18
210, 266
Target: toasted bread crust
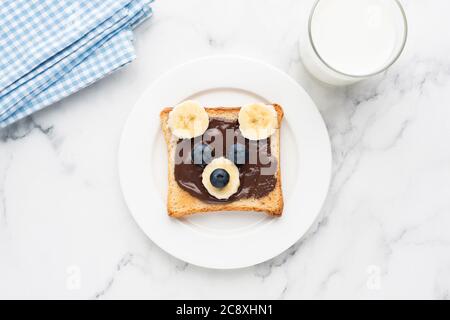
180, 203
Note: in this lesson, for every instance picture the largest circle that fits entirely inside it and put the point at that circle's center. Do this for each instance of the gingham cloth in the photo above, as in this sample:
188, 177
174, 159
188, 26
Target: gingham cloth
50, 49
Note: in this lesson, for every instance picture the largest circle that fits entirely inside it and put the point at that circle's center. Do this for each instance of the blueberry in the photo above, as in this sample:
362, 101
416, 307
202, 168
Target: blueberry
201, 154
219, 178
238, 153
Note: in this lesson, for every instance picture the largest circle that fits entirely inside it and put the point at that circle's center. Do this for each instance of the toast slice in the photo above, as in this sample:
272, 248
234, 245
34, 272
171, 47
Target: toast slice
180, 203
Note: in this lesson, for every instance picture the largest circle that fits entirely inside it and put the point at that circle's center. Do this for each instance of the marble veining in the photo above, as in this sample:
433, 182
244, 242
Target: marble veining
65, 231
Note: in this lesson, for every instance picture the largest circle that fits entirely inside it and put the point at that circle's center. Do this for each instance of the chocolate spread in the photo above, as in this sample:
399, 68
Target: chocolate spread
257, 175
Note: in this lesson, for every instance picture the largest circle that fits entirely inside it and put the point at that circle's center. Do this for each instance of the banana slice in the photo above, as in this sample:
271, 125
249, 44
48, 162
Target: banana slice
233, 184
188, 120
257, 121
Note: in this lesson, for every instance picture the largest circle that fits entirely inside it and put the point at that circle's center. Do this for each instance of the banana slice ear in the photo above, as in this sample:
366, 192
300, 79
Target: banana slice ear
188, 120
257, 121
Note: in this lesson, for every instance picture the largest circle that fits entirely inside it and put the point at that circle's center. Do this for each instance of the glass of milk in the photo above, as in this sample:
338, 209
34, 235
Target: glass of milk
351, 40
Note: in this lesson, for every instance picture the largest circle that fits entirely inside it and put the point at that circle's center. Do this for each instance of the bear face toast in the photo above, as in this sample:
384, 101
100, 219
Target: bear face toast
223, 158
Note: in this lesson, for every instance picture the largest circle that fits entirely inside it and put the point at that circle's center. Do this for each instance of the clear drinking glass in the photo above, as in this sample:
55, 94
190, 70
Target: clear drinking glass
351, 40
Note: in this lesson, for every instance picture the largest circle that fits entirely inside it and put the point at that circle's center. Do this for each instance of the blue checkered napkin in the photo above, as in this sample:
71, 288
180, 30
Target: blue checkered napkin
52, 48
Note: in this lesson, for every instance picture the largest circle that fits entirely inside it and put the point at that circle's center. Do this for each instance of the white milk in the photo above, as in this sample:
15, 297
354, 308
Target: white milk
354, 39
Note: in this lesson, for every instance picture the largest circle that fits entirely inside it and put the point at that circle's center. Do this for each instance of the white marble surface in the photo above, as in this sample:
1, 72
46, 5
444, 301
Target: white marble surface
383, 233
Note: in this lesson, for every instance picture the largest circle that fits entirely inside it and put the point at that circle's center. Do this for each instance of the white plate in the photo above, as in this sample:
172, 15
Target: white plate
232, 239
